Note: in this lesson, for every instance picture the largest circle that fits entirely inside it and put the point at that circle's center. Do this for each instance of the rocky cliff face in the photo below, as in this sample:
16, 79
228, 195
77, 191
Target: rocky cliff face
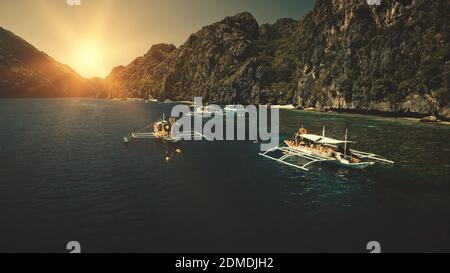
392, 57
134, 80
343, 55
28, 72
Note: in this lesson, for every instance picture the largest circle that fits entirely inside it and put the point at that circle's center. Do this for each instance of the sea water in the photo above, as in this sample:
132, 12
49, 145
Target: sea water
66, 175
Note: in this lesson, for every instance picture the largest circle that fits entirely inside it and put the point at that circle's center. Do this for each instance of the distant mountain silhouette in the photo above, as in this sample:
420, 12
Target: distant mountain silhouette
27, 72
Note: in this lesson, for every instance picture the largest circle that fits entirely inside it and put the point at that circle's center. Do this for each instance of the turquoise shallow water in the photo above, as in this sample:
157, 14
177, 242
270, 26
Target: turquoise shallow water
66, 175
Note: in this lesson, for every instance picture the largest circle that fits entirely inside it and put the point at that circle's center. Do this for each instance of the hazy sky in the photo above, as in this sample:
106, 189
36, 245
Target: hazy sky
99, 34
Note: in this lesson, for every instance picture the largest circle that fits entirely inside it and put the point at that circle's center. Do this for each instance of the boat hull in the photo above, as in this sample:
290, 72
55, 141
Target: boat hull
358, 166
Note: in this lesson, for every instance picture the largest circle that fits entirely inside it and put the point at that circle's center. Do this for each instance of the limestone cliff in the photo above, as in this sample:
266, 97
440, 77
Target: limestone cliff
134, 79
343, 55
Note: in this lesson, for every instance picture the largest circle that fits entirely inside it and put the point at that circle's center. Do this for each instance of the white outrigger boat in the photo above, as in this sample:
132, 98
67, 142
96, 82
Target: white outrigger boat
234, 108
314, 148
162, 129
206, 111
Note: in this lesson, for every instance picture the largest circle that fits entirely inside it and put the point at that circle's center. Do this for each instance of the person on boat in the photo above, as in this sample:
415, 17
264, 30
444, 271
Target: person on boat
167, 129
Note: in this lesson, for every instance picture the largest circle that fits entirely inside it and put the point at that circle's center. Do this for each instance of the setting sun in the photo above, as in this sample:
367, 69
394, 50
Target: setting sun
88, 59
89, 56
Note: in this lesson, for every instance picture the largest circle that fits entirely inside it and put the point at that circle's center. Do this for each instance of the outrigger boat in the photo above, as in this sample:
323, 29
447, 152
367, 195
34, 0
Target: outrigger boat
234, 108
206, 111
162, 129
314, 148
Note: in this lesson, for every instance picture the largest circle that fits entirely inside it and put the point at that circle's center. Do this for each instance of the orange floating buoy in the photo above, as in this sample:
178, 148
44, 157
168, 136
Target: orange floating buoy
168, 156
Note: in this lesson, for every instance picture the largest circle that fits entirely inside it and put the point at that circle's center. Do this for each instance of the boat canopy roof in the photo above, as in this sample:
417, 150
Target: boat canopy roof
161, 121
323, 140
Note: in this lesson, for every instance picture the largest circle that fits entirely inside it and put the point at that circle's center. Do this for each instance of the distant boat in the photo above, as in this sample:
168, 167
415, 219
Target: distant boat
309, 109
167, 101
207, 111
234, 108
135, 99
288, 106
